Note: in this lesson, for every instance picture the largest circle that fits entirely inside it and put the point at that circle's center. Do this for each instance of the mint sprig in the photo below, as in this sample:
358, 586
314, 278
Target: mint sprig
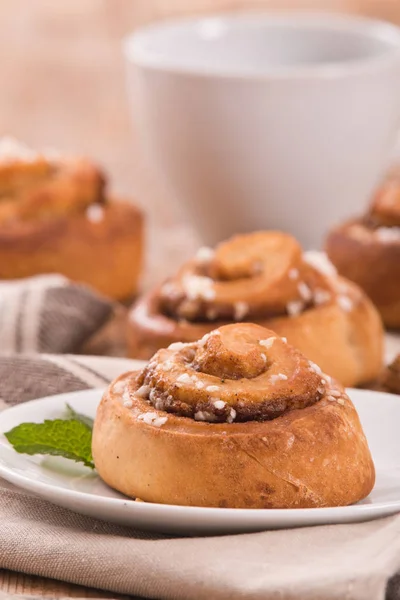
70, 438
72, 414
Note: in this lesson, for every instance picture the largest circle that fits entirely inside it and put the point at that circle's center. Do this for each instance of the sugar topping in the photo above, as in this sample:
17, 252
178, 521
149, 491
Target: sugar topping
119, 387
294, 308
205, 337
204, 255
232, 416
388, 234
197, 287
304, 291
219, 404
320, 262
268, 342
143, 391
128, 403
321, 296
152, 418
184, 378
126, 396
240, 310
12, 150
159, 403
199, 385
95, 213
345, 303
153, 395
293, 274
212, 388
314, 367
204, 415
278, 377
166, 366
177, 346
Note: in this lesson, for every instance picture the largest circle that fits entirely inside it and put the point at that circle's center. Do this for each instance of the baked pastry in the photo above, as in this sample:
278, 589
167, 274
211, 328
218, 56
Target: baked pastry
367, 251
238, 419
266, 278
389, 379
55, 217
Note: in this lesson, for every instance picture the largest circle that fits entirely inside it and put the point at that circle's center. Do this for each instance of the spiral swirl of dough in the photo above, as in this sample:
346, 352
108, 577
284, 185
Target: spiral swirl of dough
240, 372
40, 185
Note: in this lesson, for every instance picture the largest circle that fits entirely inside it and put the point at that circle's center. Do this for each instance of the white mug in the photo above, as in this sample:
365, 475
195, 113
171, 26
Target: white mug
268, 121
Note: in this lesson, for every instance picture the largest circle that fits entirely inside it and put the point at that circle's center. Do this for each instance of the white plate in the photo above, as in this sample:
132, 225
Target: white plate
72, 486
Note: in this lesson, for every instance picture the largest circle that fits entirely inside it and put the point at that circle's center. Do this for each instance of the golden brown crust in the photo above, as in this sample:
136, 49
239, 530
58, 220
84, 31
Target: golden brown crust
385, 206
106, 255
313, 456
373, 263
335, 325
52, 189
367, 250
389, 379
55, 217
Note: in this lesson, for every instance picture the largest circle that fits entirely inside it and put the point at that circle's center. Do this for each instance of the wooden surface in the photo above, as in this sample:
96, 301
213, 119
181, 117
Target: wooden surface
63, 86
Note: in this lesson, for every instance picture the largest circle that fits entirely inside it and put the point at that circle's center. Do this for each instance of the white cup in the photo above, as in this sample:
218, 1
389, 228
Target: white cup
280, 121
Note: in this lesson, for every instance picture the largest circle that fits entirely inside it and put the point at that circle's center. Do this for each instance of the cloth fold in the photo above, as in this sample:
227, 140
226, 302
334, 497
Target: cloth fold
352, 562
49, 313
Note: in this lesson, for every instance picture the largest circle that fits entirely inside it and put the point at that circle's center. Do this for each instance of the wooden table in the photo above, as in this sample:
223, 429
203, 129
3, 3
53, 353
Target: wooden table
63, 86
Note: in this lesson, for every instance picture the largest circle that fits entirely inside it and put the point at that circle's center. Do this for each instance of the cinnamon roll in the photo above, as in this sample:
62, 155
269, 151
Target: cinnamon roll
266, 278
55, 216
237, 419
389, 379
367, 251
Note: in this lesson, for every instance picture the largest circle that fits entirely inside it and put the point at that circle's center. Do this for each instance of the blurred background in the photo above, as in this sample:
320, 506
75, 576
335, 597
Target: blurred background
63, 85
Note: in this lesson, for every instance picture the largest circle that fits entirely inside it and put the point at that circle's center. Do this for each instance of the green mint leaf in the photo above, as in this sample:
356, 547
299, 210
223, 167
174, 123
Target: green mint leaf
72, 414
68, 438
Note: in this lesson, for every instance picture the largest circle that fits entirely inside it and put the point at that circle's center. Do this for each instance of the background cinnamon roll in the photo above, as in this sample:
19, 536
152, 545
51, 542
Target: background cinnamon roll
367, 250
238, 419
56, 217
389, 379
266, 278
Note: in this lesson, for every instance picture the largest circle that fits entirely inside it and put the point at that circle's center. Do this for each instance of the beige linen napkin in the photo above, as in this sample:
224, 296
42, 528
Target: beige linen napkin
49, 313
352, 562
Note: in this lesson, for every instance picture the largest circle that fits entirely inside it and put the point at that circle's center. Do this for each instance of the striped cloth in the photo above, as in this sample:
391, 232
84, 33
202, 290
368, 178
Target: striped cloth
26, 377
50, 314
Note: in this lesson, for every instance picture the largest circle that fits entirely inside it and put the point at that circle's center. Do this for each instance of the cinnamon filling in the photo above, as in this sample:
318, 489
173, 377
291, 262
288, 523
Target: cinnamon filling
236, 373
256, 276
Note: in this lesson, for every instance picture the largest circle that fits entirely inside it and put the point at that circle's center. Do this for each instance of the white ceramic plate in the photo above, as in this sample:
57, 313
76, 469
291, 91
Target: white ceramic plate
77, 488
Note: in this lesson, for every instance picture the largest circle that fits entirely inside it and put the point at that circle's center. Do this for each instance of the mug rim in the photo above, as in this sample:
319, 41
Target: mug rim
137, 52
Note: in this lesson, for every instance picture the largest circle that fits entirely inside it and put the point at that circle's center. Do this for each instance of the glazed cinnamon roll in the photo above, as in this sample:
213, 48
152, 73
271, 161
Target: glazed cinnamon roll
265, 277
237, 419
55, 216
367, 251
